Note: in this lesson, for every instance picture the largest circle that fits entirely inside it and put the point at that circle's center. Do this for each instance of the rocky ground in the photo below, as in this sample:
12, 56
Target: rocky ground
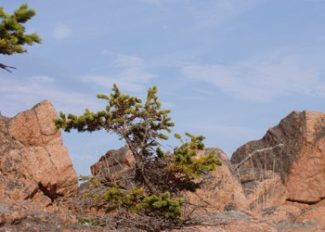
274, 184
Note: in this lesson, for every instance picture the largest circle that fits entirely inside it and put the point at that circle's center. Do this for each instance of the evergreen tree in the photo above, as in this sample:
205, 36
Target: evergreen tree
13, 35
160, 176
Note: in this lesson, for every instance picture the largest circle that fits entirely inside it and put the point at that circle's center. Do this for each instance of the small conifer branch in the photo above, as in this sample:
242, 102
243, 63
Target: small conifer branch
13, 36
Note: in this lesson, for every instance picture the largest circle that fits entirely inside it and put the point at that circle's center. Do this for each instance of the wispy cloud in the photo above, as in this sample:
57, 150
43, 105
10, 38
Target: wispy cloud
209, 12
25, 93
261, 79
130, 73
213, 13
61, 31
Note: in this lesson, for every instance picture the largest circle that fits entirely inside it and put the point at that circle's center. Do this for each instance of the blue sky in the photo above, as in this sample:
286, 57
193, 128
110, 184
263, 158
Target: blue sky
228, 69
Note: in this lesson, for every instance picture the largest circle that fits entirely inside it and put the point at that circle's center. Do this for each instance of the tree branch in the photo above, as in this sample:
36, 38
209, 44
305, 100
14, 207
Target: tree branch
257, 152
6, 67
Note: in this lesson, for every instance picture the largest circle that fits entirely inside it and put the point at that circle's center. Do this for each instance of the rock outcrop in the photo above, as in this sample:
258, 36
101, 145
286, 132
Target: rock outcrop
295, 150
276, 184
34, 164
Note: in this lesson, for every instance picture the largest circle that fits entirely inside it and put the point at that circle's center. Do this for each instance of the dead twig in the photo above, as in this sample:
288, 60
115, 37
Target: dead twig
6, 67
257, 152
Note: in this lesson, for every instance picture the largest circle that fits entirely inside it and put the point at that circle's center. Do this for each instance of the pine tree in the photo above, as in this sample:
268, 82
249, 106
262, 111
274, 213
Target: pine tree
13, 35
140, 125
160, 176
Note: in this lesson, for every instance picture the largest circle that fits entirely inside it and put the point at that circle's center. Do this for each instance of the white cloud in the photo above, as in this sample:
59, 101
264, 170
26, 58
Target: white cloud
20, 94
130, 74
261, 79
61, 31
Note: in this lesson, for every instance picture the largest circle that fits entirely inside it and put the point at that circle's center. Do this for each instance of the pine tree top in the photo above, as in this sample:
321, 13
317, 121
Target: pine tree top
13, 34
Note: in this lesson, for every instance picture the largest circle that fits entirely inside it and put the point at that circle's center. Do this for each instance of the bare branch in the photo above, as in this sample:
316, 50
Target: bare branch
257, 152
6, 67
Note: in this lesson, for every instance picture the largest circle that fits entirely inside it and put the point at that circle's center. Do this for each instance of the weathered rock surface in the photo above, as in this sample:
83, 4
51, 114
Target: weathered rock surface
230, 221
220, 191
295, 150
262, 188
21, 216
295, 217
314, 214
114, 165
34, 164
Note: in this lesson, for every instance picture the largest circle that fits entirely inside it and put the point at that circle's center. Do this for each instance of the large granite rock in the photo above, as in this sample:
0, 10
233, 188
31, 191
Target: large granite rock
220, 190
295, 150
34, 164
